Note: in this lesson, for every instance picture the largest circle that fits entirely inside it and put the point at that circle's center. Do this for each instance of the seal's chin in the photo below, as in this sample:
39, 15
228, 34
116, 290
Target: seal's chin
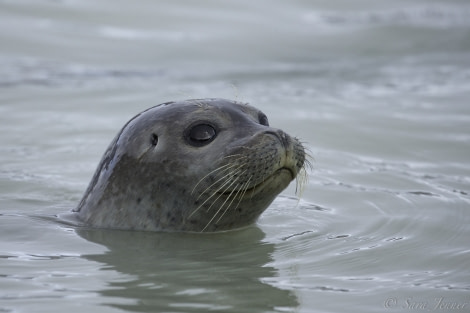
274, 183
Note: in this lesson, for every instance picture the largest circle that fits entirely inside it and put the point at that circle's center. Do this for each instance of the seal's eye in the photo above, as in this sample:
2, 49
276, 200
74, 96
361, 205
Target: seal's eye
263, 119
200, 135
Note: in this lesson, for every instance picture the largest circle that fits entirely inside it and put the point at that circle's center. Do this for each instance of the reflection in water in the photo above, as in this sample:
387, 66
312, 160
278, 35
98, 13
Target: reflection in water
182, 272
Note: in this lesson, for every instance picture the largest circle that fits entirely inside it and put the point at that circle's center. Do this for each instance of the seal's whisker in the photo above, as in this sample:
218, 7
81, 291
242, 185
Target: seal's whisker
231, 201
253, 190
223, 167
246, 149
215, 192
220, 179
302, 176
241, 190
309, 159
301, 181
245, 188
233, 155
200, 103
227, 188
212, 172
252, 147
217, 212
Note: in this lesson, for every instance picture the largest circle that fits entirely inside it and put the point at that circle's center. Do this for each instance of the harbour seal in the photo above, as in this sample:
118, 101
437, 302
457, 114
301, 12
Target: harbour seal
199, 165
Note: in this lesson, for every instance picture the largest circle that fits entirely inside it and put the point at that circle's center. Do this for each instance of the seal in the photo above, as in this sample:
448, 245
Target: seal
200, 165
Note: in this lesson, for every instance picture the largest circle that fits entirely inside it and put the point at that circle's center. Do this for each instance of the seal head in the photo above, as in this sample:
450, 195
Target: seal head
196, 165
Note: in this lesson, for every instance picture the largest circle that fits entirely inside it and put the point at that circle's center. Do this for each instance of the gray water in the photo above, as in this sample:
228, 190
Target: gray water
377, 90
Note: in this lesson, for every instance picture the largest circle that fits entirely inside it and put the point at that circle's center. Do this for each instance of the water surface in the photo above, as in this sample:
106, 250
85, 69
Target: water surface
377, 90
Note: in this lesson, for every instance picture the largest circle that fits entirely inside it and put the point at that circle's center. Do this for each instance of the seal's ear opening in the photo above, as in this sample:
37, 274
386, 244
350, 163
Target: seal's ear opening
154, 139
200, 134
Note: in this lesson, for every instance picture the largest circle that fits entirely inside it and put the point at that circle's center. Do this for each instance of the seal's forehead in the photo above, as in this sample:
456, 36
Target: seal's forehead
229, 106
188, 107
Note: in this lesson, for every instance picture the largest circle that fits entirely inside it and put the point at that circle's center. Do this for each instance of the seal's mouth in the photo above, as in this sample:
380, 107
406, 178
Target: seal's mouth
276, 179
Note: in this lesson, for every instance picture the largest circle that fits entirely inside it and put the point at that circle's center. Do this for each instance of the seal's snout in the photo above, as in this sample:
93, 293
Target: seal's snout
293, 154
281, 136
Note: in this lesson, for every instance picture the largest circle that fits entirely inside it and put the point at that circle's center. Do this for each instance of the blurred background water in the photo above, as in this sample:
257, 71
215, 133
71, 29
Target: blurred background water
378, 91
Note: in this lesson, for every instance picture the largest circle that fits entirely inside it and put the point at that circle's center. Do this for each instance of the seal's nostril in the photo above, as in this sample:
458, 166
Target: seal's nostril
285, 139
282, 136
